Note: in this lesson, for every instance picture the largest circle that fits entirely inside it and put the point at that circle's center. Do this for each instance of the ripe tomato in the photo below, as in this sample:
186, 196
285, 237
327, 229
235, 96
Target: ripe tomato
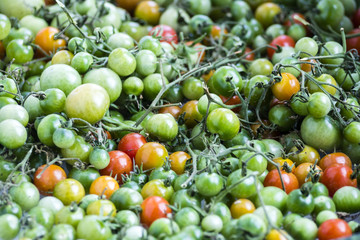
129, 5
153, 208
334, 229
192, 114
45, 40
234, 100
275, 234
148, 11
336, 177
280, 161
130, 143
49, 178
104, 185
120, 163
175, 111
217, 31
288, 86
337, 158
281, 41
241, 207
167, 33
249, 56
290, 181
353, 42
301, 172
178, 161
151, 155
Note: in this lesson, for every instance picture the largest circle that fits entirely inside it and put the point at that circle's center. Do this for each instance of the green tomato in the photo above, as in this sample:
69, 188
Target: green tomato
274, 214
303, 228
82, 61
122, 62
347, 199
63, 232
91, 227
15, 112
47, 127
20, 8
153, 85
26, 195
323, 203
324, 216
146, 62
162, 126
12, 134
9, 85
224, 122
5, 26
300, 203
133, 86
9, 226
54, 101
225, 79
126, 198
127, 218
43, 216
120, 40
186, 217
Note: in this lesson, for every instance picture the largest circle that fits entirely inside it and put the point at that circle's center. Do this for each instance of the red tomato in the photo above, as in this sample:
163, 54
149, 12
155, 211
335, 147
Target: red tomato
48, 179
282, 41
234, 100
167, 33
353, 42
273, 179
338, 158
120, 163
130, 143
292, 19
249, 56
153, 208
334, 229
336, 177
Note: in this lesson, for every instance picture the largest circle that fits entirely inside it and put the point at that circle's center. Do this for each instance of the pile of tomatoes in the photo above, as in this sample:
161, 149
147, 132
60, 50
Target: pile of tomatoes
179, 119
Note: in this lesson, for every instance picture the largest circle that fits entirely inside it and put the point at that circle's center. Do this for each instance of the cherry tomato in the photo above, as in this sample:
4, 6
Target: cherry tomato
167, 33
154, 208
281, 41
46, 41
301, 172
337, 158
69, 190
49, 178
290, 181
175, 111
241, 207
104, 185
192, 114
130, 143
178, 161
151, 155
336, 177
148, 11
120, 163
288, 86
334, 228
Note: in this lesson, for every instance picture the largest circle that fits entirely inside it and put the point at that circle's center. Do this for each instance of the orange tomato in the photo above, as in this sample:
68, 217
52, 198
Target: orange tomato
288, 86
274, 179
151, 155
301, 172
249, 56
192, 114
45, 40
308, 67
178, 161
105, 185
217, 31
153, 208
275, 234
208, 75
148, 11
334, 158
281, 161
49, 178
199, 48
241, 207
173, 110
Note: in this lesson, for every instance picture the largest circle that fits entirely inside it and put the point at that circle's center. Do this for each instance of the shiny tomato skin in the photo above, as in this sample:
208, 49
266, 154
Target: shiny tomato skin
49, 178
281, 41
338, 158
286, 88
353, 42
153, 208
151, 155
120, 163
104, 185
130, 143
290, 181
334, 229
336, 177
167, 33
45, 40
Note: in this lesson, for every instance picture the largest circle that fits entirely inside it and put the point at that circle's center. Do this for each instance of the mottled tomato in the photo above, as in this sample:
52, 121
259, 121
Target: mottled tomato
178, 161
302, 171
46, 41
46, 177
175, 111
153, 208
130, 143
338, 176
120, 163
192, 114
104, 185
337, 158
167, 33
274, 179
151, 155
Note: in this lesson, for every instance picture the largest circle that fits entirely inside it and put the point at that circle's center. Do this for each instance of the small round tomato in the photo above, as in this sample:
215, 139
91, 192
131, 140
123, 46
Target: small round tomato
175, 111
178, 161
167, 33
209, 184
333, 229
224, 80
245, 189
46, 177
281, 162
148, 11
347, 199
162, 126
260, 66
290, 181
120, 163
307, 155
9, 226
153, 208
99, 158
102, 207
288, 86
151, 155
192, 114
300, 203
126, 198
157, 187
12, 134
336, 177
241, 207
266, 13
46, 41
187, 216
336, 158
104, 185
281, 41
69, 190
92, 227
301, 172
323, 80
26, 195
130, 144
224, 122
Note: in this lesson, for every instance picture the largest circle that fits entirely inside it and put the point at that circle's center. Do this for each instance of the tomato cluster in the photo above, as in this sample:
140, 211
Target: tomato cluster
193, 119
